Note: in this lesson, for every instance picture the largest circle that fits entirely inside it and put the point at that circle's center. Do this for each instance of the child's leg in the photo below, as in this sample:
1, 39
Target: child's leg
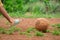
5, 14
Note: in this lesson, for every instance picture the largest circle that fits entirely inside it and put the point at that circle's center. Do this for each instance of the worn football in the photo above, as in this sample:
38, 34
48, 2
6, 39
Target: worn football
42, 24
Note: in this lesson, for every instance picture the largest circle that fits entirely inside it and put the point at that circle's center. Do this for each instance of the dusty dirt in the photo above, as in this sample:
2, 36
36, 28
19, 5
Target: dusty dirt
24, 24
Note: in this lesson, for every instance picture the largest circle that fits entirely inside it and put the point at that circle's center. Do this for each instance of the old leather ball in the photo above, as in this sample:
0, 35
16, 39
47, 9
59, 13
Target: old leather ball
42, 24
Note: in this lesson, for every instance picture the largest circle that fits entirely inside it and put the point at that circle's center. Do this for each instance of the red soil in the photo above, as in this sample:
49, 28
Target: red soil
28, 22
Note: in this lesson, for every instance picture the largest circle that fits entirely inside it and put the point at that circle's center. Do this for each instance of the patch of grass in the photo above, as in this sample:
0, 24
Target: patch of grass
30, 29
38, 33
14, 28
25, 33
28, 32
33, 30
56, 32
35, 15
53, 25
10, 30
48, 31
22, 33
2, 30
56, 25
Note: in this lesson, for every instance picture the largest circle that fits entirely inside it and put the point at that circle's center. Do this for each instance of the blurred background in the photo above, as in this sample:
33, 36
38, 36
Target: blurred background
33, 8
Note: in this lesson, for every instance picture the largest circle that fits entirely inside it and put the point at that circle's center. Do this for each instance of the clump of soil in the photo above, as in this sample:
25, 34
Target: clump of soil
42, 24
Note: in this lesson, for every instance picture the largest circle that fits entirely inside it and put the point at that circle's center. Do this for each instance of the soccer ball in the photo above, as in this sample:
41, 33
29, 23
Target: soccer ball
42, 24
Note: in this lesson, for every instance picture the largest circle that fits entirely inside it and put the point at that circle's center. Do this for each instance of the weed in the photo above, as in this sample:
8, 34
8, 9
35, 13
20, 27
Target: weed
48, 31
37, 33
22, 33
25, 33
56, 25
17, 29
12, 29
2, 30
9, 32
56, 32
53, 25
30, 29
34, 15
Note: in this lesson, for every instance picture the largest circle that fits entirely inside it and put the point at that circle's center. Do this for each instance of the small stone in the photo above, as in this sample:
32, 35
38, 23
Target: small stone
16, 21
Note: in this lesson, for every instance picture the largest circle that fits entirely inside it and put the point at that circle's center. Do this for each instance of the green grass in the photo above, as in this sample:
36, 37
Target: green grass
10, 30
56, 25
36, 9
2, 30
25, 33
13, 29
38, 33
33, 30
35, 15
53, 25
56, 32
48, 31
28, 32
30, 29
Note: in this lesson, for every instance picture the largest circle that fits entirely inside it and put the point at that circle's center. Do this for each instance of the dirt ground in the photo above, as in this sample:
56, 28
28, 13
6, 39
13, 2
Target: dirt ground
24, 24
